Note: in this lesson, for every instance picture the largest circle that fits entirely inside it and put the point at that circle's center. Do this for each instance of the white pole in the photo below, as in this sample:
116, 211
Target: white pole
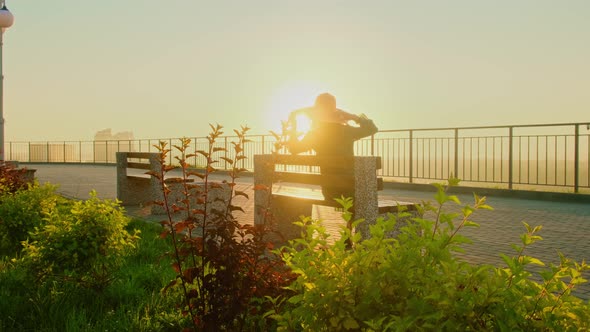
6, 20
1, 96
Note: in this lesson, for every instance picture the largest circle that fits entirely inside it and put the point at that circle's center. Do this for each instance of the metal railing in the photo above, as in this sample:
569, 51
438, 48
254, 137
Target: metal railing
540, 156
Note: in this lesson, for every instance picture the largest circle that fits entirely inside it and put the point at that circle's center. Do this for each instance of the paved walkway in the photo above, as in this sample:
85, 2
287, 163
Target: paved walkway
566, 226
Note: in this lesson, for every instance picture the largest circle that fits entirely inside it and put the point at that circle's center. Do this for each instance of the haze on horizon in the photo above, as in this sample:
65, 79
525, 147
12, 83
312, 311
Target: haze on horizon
168, 69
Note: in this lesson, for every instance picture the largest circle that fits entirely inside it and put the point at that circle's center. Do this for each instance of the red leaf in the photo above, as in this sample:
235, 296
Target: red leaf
203, 153
260, 187
199, 211
229, 161
236, 208
241, 193
191, 273
172, 283
163, 235
193, 293
195, 174
176, 267
179, 227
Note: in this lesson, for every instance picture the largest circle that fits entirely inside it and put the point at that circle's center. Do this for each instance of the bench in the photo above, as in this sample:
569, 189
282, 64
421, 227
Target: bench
135, 187
358, 173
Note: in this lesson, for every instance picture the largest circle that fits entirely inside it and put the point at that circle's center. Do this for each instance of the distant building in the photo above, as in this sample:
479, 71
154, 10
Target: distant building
107, 144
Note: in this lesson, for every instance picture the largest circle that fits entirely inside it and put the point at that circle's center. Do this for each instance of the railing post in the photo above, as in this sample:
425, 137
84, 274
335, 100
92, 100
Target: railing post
262, 140
64, 151
411, 156
577, 158
510, 157
225, 152
47, 150
171, 151
456, 175
372, 145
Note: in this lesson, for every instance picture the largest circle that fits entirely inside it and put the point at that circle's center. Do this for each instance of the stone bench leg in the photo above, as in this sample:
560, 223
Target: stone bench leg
366, 204
284, 212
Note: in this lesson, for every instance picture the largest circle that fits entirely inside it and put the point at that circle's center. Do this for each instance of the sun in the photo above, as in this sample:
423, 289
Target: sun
287, 98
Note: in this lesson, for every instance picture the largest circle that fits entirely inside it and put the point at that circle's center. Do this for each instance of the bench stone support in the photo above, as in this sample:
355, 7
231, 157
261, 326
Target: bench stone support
263, 178
366, 200
136, 190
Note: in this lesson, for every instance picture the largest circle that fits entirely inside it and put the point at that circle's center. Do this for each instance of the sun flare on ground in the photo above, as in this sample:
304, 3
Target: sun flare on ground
287, 98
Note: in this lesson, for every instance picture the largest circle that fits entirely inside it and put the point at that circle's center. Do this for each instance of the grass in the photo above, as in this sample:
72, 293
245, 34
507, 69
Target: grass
132, 303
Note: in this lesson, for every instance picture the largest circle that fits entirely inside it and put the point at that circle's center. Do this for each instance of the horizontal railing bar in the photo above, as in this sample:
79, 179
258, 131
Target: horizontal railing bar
541, 158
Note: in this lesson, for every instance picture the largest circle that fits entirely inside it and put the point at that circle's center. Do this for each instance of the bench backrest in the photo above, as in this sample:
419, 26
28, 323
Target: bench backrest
144, 160
337, 172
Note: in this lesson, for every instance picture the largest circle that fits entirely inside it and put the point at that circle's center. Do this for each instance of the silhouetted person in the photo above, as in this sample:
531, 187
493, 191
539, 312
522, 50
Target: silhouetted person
331, 135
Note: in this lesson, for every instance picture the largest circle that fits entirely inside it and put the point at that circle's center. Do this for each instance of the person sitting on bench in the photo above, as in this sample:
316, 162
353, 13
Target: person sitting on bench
331, 135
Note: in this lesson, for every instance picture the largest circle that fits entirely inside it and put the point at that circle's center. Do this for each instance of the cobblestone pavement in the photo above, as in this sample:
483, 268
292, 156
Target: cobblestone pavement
566, 226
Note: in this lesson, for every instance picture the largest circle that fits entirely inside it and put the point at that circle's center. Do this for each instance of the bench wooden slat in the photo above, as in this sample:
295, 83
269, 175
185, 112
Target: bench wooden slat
311, 160
138, 165
139, 155
334, 181
384, 205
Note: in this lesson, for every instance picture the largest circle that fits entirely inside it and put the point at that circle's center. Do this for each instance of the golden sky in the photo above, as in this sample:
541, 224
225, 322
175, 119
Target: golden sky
169, 68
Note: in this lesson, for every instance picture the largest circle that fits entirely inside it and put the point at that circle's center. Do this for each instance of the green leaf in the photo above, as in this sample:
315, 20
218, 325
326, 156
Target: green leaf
486, 207
453, 181
350, 323
454, 198
536, 261
467, 211
440, 197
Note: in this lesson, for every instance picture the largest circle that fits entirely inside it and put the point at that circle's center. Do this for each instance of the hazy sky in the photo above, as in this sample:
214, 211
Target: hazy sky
169, 68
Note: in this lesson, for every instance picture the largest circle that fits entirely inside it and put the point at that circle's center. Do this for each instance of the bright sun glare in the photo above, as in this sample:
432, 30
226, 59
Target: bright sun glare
289, 97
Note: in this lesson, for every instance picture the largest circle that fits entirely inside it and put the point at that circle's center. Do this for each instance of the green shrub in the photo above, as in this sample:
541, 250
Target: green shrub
133, 302
11, 178
413, 281
84, 244
21, 212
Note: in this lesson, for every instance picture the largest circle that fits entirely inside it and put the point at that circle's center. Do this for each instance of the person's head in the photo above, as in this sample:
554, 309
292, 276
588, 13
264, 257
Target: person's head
325, 102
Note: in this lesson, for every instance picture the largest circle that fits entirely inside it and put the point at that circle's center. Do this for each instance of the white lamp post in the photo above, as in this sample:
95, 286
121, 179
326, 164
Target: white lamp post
6, 21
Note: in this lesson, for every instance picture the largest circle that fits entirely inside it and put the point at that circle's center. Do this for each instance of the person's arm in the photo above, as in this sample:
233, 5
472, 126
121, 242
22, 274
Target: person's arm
345, 116
301, 111
296, 146
366, 127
